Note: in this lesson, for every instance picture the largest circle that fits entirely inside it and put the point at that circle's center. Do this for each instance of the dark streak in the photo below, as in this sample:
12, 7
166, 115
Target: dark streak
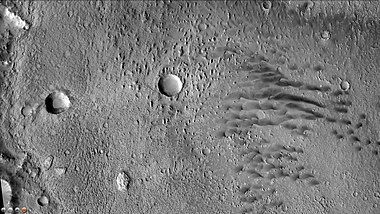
354, 139
345, 122
341, 110
362, 116
318, 68
250, 199
247, 67
290, 158
253, 173
285, 83
290, 97
267, 93
291, 116
238, 169
308, 117
265, 67
266, 122
301, 108
289, 126
291, 149
276, 204
314, 182
271, 191
277, 155
358, 125
272, 79
306, 175
244, 189
220, 134
317, 88
245, 123
294, 176
250, 151
300, 168
330, 119
367, 142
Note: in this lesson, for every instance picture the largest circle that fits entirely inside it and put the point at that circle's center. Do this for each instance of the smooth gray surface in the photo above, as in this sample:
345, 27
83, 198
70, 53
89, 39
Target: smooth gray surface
260, 125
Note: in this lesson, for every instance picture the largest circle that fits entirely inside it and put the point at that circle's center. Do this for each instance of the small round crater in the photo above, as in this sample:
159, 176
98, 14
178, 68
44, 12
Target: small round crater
57, 102
206, 151
345, 85
306, 6
284, 207
266, 5
27, 111
170, 85
43, 200
202, 26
